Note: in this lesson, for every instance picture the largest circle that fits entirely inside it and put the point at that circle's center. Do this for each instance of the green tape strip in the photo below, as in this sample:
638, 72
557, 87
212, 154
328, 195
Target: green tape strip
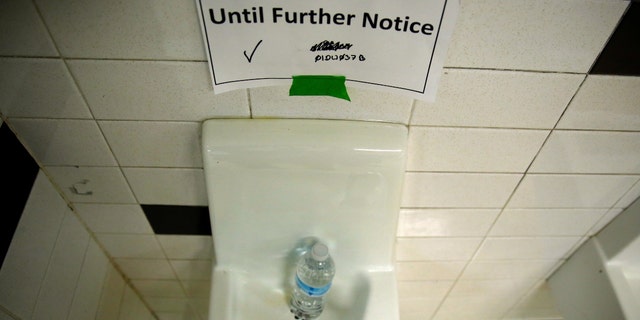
319, 85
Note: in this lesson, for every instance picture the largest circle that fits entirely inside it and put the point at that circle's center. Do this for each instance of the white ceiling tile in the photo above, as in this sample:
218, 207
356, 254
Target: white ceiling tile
192, 269
605, 102
22, 33
589, 152
154, 90
472, 150
114, 218
147, 29
178, 305
198, 289
95, 184
570, 191
505, 269
491, 287
545, 35
187, 247
364, 105
64, 142
428, 270
39, 88
546, 222
171, 186
154, 144
491, 98
159, 288
445, 222
417, 249
132, 307
146, 268
551, 248
131, 246
457, 190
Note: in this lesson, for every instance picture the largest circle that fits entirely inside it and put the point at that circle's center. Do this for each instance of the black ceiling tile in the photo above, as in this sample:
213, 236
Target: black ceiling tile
621, 55
178, 220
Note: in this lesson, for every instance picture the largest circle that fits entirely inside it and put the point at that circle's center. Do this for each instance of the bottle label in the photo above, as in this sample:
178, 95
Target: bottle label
312, 291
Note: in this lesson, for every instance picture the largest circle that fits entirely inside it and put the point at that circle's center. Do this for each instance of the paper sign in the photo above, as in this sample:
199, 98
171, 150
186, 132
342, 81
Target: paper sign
396, 46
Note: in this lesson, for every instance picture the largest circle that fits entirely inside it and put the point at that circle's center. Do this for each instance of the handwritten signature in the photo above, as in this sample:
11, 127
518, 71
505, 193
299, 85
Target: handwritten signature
327, 45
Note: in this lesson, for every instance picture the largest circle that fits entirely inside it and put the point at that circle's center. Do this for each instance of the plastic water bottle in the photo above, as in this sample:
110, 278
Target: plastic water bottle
315, 271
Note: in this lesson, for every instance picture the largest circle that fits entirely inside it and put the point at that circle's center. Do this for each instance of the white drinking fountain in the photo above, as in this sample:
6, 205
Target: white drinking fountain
276, 186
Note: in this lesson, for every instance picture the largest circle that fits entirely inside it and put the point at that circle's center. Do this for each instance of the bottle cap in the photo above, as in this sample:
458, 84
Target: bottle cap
319, 252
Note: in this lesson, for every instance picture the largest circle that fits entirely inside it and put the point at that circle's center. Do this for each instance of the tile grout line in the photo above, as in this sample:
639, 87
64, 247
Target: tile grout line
92, 235
506, 203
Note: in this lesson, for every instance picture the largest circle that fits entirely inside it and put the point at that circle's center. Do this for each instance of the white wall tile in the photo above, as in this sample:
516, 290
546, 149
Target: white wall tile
417, 249
168, 186
488, 98
90, 283
131, 246
106, 184
158, 90
26, 261
60, 283
629, 197
546, 222
187, 247
154, 144
114, 218
472, 150
22, 33
445, 222
605, 102
570, 191
506, 269
525, 248
604, 220
458, 190
532, 35
475, 307
418, 308
268, 102
538, 303
146, 268
64, 142
589, 152
39, 88
424, 289
134, 30
192, 269
428, 270
112, 292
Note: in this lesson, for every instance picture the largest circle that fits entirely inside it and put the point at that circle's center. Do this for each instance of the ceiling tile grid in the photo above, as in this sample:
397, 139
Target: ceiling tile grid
523, 155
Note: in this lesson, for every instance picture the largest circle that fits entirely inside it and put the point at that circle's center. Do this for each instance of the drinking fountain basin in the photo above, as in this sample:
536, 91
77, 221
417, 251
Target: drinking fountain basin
274, 184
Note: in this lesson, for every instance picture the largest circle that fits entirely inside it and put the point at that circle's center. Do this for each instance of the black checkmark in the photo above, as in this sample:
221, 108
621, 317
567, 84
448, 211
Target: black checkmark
252, 52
